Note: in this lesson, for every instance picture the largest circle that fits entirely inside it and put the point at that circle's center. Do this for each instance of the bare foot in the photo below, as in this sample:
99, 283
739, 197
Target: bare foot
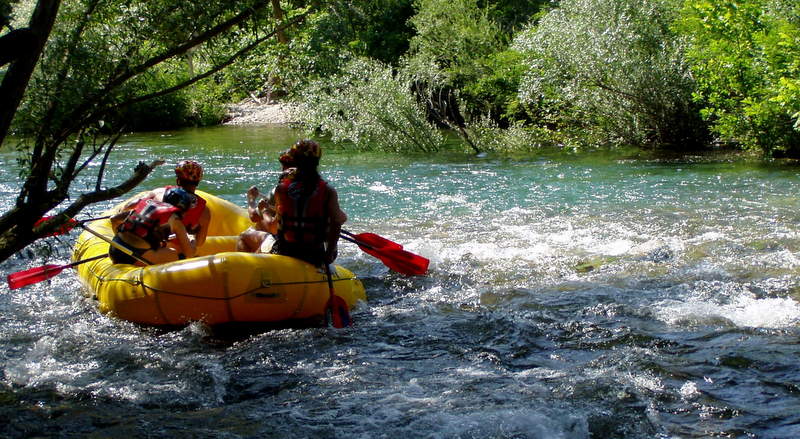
262, 205
252, 195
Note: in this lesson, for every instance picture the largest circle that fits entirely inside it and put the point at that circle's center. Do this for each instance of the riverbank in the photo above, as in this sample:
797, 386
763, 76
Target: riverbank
250, 112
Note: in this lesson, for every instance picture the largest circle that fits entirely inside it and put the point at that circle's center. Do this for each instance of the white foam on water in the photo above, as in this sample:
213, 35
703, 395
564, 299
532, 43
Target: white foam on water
515, 212
647, 381
493, 252
689, 390
674, 244
459, 199
434, 412
120, 365
378, 186
512, 422
707, 237
616, 247
741, 311
40, 366
783, 259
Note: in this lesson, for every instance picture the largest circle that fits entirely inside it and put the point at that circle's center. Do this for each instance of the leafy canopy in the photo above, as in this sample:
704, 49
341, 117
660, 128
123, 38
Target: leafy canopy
85, 65
613, 66
369, 105
745, 56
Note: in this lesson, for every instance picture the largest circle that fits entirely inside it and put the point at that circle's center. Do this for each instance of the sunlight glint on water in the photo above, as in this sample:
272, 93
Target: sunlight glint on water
569, 296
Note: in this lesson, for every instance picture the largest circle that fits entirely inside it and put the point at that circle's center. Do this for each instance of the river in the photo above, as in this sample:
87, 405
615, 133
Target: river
591, 295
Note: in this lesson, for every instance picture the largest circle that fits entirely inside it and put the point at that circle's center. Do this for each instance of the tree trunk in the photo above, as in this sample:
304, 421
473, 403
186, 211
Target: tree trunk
15, 44
277, 12
63, 145
19, 72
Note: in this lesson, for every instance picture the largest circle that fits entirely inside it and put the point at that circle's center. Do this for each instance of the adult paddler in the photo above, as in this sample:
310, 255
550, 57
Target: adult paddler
188, 174
145, 228
307, 219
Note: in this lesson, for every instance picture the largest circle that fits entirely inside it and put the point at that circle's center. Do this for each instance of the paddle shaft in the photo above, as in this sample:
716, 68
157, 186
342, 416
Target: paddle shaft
117, 246
88, 220
330, 319
83, 261
357, 242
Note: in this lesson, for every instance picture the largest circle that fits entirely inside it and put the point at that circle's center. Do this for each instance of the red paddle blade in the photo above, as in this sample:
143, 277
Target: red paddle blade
32, 276
377, 241
401, 261
63, 230
390, 253
337, 313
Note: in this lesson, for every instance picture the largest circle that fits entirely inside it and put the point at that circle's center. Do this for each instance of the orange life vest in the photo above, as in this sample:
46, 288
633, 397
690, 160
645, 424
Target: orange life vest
302, 213
148, 220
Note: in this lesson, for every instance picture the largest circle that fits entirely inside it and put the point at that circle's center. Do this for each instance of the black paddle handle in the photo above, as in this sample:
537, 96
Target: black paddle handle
357, 242
93, 258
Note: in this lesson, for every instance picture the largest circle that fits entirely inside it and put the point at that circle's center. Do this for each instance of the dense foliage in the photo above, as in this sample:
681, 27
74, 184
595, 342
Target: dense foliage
745, 56
661, 74
614, 68
452, 51
332, 36
370, 106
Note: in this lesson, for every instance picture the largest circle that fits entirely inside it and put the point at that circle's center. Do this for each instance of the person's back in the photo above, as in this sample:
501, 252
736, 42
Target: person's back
188, 174
145, 228
301, 209
307, 212
148, 222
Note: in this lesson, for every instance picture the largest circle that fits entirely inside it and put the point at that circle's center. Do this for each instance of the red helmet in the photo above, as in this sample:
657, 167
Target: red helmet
189, 171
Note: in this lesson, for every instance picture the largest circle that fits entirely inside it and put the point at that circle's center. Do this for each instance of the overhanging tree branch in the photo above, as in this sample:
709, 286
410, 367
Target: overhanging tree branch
83, 114
214, 69
140, 173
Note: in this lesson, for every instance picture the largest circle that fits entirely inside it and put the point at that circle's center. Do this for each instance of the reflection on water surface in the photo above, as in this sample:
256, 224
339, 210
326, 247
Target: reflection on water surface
570, 295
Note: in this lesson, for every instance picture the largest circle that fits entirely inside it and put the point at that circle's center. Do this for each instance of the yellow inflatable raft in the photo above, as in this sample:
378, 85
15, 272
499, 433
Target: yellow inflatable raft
218, 286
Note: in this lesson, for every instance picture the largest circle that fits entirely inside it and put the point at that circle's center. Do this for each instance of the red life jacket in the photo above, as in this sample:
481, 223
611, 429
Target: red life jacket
148, 220
191, 218
302, 214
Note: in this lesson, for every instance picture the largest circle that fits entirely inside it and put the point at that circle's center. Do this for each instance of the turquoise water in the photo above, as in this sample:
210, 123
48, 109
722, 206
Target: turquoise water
574, 296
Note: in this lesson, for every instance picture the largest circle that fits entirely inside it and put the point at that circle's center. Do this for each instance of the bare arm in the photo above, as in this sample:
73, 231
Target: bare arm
184, 245
118, 218
263, 215
267, 222
336, 213
252, 195
337, 218
205, 220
